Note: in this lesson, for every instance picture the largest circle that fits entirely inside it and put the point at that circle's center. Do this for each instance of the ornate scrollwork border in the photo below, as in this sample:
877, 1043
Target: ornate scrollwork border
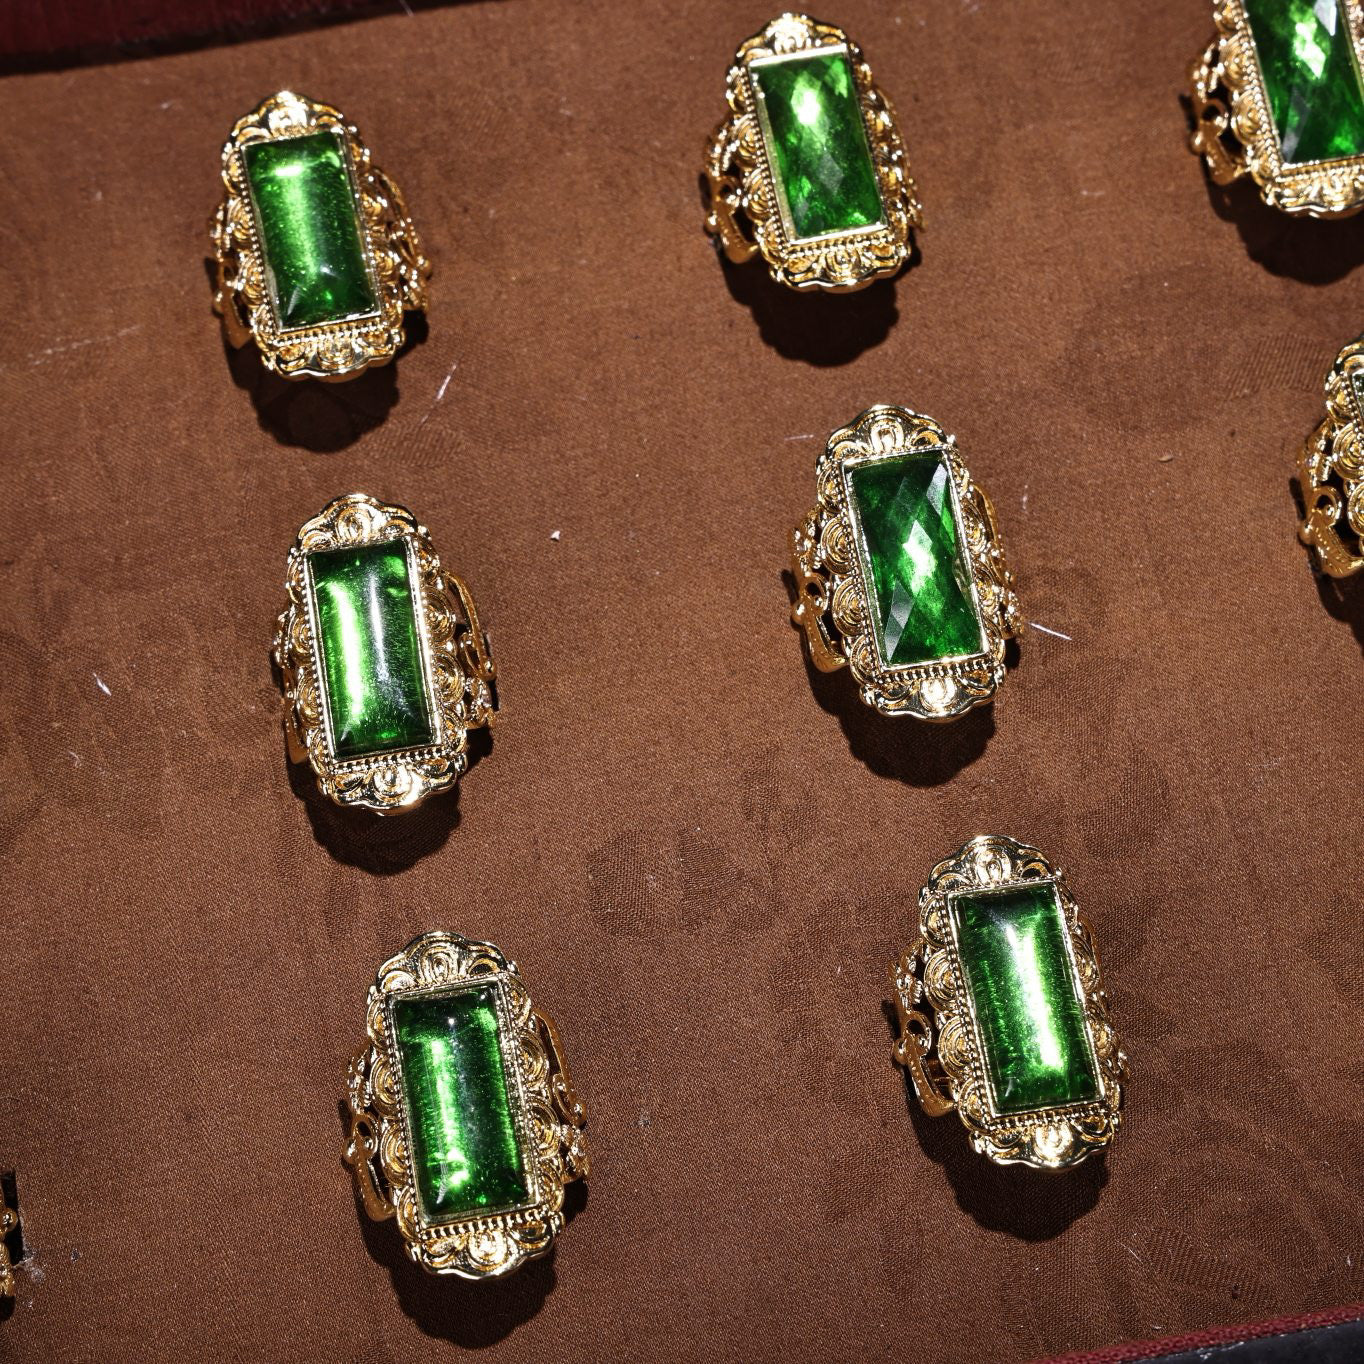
397, 267
1331, 470
939, 1039
1234, 128
550, 1116
833, 600
458, 668
743, 182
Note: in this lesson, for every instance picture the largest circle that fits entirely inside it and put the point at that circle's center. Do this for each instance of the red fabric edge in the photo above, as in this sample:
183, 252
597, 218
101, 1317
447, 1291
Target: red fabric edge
1201, 1340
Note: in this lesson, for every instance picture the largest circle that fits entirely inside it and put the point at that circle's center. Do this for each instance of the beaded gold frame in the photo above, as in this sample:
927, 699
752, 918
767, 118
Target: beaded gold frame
397, 267
550, 1116
457, 666
747, 210
939, 1042
1331, 470
1234, 128
833, 599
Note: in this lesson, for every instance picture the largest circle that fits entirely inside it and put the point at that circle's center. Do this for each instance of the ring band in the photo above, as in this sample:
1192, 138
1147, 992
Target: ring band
317, 257
465, 1127
808, 168
384, 665
1002, 1011
899, 570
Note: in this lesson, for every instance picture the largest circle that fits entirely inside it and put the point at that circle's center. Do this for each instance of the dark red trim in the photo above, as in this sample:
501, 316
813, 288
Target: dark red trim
1217, 1335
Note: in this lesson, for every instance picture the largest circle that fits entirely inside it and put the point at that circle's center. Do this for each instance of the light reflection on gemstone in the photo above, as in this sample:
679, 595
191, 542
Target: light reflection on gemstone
466, 1154
922, 604
817, 143
1311, 75
1025, 997
373, 683
314, 258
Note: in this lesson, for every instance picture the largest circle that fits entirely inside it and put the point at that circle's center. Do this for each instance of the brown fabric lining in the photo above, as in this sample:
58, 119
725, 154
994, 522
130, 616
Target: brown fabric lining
702, 855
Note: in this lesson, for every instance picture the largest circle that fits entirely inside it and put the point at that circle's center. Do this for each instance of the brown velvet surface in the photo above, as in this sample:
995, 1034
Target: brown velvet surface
702, 855
40, 34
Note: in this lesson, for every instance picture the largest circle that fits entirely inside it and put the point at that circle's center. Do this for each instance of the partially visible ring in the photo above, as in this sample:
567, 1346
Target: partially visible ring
1331, 470
1244, 125
9, 1233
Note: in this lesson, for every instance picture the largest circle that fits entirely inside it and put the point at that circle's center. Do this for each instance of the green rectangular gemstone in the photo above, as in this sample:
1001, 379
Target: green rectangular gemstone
373, 682
1025, 994
906, 526
309, 223
816, 142
466, 1153
1311, 77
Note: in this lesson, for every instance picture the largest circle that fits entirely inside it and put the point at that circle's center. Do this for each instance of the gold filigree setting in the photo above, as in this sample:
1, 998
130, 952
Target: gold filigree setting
397, 267
1234, 128
940, 1043
748, 214
549, 1115
1331, 470
834, 600
457, 666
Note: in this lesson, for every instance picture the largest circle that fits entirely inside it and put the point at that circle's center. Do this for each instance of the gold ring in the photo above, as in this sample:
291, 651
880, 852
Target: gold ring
384, 664
317, 257
899, 571
808, 167
1331, 470
1002, 1011
464, 1125
11, 1234
1277, 95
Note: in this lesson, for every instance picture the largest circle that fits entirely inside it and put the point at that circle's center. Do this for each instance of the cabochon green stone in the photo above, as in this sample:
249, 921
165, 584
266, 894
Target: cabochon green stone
1308, 63
465, 1152
913, 560
1012, 946
372, 681
817, 143
310, 230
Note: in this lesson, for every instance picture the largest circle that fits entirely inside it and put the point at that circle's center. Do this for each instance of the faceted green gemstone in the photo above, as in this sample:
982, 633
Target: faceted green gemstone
466, 1155
372, 680
912, 559
817, 143
1026, 998
310, 229
1311, 77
